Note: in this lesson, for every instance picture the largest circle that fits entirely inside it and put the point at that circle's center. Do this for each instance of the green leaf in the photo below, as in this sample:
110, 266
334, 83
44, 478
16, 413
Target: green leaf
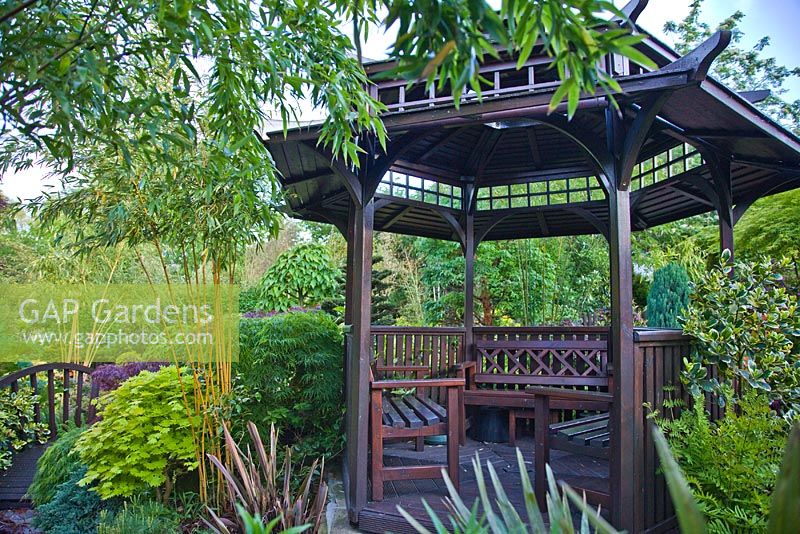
783, 513
690, 518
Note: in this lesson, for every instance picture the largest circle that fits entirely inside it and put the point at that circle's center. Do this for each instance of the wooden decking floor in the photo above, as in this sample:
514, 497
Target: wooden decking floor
14, 481
380, 517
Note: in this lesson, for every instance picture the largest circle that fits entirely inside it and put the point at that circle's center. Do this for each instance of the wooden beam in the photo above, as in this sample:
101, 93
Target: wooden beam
351, 181
481, 233
327, 199
769, 166
720, 168
381, 203
451, 220
725, 134
375, 169
478, 151
397, 217
486, 157
714, 193
744, 204
533, 143
700, 59
638, 134
542, 223
599, 155
592, 219
455, 132
338, 223
692, 196
307, 178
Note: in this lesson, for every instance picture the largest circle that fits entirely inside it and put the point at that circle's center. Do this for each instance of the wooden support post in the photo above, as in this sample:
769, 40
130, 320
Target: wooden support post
453, 435
626, 433
627, 423
721, 173
469, 268
541, 455
377, 444
357, 370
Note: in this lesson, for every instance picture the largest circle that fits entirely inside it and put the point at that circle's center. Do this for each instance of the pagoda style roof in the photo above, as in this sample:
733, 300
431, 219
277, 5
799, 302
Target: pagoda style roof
534, 174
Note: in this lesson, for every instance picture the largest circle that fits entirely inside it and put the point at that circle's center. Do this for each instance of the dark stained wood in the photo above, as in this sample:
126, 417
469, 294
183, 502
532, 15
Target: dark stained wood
625, 493
412, 417
699, 60
51, 402
379, 517
357, 370
470, 246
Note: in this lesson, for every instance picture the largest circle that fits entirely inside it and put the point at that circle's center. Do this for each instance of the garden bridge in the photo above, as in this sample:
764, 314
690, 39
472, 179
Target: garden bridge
504, 167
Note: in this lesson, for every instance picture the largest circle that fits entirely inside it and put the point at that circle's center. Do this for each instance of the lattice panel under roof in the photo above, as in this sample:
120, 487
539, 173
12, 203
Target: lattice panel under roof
408, 187
541, 193
673, 162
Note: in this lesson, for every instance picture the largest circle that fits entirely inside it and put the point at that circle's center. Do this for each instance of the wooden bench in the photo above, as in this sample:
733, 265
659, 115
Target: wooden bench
502, 369
586, 435
413, 415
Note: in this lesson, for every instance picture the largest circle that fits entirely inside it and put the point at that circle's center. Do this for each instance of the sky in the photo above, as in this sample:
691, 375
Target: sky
774, 18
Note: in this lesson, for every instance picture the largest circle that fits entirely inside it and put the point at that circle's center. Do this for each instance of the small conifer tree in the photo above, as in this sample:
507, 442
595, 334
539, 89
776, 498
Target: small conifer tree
668, 296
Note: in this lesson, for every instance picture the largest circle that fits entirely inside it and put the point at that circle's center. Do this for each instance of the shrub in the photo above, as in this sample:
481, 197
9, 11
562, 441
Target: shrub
731, 466
748, 326
74, 509
17, 427
668, 296
140, 516
109, 376
144, 438
55, 466
263, 493
302, 276
290, 374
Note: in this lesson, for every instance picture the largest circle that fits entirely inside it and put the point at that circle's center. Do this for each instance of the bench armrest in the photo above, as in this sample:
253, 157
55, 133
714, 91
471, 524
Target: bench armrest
570, 394
466, 370
402, 368
418, 383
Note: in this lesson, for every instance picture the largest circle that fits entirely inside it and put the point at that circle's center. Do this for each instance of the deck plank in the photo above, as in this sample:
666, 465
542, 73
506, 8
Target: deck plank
14, 481
577, 470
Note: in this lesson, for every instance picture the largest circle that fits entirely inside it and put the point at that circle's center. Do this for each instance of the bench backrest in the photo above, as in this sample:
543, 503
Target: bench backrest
542, 362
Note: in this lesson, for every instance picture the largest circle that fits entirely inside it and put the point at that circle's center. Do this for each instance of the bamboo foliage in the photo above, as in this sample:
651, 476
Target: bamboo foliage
198, 208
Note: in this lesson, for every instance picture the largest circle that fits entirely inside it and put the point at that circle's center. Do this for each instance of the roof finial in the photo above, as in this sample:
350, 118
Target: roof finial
633, 9
699, 60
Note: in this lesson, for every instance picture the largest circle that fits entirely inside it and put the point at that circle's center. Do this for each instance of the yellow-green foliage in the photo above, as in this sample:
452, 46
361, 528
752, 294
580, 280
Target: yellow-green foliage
144, 437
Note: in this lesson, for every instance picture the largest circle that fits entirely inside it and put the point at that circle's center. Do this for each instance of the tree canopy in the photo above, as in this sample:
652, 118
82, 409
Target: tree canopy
740, 68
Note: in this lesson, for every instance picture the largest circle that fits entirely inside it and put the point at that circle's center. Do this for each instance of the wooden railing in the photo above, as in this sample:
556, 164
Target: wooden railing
542, 333
75, 398
503, 75
439, 349
658, 359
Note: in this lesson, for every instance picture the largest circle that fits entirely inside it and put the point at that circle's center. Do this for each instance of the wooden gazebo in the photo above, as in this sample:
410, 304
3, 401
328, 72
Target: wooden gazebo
504, 168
